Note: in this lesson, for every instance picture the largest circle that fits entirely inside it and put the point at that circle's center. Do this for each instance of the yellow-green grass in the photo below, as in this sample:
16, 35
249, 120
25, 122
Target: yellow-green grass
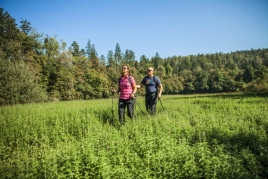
192, 136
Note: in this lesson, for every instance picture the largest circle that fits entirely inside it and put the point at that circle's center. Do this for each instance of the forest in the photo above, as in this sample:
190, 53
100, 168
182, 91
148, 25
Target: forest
36, 68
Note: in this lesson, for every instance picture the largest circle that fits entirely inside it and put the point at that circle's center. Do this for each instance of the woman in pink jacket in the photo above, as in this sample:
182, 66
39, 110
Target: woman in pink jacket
127, 89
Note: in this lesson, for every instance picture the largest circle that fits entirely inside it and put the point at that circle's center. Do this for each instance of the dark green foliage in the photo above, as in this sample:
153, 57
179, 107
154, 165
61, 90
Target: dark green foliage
9, 35
75, 49
118, 56
51, 47
202, 81
129, 58
79, 73
18, 84
25, 26
248, 74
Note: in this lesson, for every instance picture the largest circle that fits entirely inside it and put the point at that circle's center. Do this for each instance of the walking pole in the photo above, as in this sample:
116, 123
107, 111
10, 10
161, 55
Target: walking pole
161, 103
134, 106
140, 107
113, 105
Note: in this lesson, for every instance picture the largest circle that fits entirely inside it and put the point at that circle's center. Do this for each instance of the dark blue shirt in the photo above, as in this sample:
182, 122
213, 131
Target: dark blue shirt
150, 84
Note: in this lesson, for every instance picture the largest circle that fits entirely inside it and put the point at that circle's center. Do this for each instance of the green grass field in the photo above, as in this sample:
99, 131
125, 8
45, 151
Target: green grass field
192, 136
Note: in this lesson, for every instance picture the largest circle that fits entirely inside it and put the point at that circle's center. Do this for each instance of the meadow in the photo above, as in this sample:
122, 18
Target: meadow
192, 136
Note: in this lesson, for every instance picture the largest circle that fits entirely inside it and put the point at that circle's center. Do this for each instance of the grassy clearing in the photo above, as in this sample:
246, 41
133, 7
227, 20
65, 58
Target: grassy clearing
201, 136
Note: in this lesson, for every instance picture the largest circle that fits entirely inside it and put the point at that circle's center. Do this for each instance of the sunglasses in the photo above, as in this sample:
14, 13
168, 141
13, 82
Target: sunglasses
149, 70
125, 68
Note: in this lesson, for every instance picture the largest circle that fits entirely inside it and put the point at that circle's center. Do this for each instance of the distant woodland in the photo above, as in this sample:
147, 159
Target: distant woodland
36, 68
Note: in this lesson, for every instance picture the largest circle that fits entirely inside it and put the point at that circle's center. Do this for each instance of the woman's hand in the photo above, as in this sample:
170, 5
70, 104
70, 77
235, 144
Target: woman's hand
113, 90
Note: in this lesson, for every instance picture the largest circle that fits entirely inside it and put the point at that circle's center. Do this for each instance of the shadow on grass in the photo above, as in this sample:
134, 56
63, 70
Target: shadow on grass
223, 95
107, 117
249, 145
250, 148
110, 117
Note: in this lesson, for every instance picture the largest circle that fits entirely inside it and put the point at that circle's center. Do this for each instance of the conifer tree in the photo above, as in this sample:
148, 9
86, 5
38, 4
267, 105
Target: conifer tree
75, 49
117, 55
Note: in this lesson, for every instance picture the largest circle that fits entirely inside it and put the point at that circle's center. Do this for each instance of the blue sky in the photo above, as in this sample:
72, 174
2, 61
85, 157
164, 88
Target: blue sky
169, 27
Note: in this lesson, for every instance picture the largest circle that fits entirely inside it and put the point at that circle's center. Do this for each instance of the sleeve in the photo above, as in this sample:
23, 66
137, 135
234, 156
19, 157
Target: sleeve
132, 80
158, 82
143, 81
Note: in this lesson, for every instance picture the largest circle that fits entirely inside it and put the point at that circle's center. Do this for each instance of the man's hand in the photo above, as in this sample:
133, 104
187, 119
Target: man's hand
159, 95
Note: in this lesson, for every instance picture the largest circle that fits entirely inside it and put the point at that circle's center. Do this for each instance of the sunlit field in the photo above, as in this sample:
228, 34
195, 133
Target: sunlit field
205, 136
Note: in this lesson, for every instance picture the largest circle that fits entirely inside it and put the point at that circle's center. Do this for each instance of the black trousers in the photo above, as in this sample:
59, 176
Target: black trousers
150, 102
123, 103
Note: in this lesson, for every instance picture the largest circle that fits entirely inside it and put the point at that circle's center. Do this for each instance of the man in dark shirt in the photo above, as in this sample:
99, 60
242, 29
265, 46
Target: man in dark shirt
153, 89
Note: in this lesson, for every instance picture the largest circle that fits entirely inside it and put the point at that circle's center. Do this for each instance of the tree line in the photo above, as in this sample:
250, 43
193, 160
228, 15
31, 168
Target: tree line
38, 68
